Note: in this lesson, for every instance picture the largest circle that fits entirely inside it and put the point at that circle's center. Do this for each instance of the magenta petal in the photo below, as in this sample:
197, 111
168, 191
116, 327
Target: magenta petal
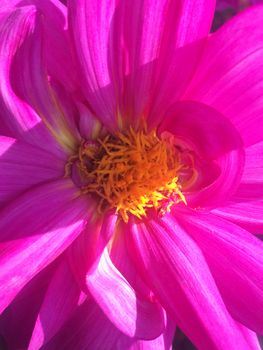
91, 47
163, 342
251, 188
175, 269
230, 75
30, 81
253, 170
251, 338
217, 145
88, 328
18, 119
18, 320
117, 43
89, 245
23, 165
89, 126
247, 214
236, 261
59, 60
246, 205
35, 229
132, 315
119, 254
60, 301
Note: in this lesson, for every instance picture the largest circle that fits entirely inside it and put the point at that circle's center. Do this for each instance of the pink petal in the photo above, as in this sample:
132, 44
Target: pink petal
17, 321
60, 301
18, 119
253, 171
217, 145
88, 328
36, 228
117, 42
175, 269
163, 342
31, 83
60, 62
236, 261
23, 166
247, 214
131, 314
119, 254
246, 205
230, 75
251, 338
89, 125
251, 183
89, 245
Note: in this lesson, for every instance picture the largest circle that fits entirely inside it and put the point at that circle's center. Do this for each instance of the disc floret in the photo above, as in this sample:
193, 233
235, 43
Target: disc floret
132, 172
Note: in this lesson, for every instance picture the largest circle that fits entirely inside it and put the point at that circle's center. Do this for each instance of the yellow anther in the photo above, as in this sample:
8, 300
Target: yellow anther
132, 172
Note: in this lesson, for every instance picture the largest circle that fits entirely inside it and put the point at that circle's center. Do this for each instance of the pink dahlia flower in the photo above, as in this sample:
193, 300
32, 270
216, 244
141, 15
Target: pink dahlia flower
131, 175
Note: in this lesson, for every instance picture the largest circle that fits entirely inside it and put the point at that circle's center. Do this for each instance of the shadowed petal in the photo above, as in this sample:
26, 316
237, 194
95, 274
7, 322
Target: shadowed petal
32, 84
175, 269
131, 314
119, 254
117, 43
163, 342
236, 261
246, 205
247, 214
61, 299
251, 338
18, 119
23, 166
18, 320
89, 245
230, 75
56, 45
218, 148
88, 328
35, 229
253, 170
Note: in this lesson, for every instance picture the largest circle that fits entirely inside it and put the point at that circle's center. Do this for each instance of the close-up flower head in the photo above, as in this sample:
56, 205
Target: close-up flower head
131, 175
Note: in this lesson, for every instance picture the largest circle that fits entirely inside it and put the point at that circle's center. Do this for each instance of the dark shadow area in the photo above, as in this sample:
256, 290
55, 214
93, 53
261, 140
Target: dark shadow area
18, 319
181, 342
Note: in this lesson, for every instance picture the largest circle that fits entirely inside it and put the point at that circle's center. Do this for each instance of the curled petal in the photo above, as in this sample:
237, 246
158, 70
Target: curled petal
60, 300
31, 107
88, 328
118, 42
230, 76
60, 61
17, 118
175, 269
163, 342
87, 248
18, 320
35, 229
253, 170
23, 165
215, 144
247, 214
134, 316
235, 259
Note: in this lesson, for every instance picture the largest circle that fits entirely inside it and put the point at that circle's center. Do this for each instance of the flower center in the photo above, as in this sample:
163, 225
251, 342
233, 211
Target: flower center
132, 172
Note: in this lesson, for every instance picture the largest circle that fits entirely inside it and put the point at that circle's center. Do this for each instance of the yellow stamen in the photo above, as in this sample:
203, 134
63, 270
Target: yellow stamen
132, 172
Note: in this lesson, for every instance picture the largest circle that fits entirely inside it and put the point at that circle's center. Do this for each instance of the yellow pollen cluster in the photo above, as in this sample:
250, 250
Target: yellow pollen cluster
132, 172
